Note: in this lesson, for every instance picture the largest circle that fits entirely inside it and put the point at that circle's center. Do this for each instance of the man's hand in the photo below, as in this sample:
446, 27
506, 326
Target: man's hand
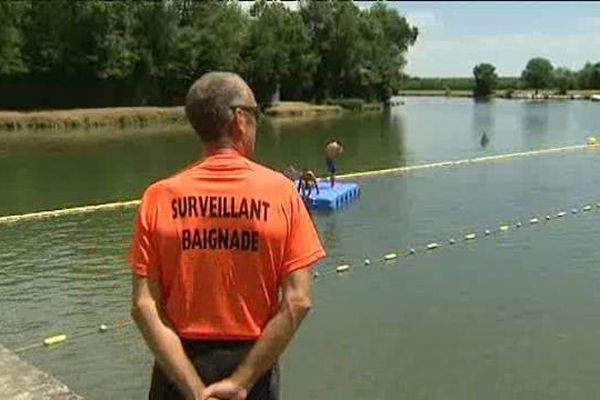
225, 389
162, 338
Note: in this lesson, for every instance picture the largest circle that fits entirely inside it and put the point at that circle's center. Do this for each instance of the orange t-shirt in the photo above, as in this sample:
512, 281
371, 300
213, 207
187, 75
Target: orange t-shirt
219, 237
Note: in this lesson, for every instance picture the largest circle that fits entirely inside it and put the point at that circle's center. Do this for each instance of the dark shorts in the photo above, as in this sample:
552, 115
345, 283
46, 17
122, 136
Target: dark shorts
330, 165
215, 361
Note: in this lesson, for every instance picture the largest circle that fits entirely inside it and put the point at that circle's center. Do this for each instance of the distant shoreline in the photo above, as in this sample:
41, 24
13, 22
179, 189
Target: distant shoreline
505, 94
131, 117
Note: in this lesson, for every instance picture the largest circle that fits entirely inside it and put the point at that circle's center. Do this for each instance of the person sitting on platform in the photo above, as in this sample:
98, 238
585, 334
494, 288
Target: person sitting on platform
306, 183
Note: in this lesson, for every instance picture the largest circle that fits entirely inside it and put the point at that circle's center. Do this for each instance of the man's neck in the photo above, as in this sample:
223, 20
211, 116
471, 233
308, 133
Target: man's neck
218, 146
221, 147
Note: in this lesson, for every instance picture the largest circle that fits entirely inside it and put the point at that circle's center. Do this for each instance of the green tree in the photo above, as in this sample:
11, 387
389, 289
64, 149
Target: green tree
320, 20
538, 73
589, 76
137, 52
360, 52
278, 52
486, 80
88, 39
564, 79
389, 58
11, 38
212, 40
156, 28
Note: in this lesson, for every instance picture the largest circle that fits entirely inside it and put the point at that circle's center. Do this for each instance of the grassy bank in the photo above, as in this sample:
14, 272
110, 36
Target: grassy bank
128, 117
91, 118
288, 109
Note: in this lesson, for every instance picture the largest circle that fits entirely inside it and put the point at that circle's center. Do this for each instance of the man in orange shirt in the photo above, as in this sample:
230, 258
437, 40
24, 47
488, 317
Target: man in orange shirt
221, 256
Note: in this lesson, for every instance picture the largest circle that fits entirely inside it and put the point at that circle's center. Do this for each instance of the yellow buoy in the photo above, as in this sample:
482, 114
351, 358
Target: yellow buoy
470, 236
54, 340
591, 141
343, 268
390, 256
504, 228
432, 246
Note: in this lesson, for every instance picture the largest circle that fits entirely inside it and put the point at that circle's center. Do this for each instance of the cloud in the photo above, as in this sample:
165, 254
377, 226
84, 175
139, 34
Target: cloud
424, 20
456, 56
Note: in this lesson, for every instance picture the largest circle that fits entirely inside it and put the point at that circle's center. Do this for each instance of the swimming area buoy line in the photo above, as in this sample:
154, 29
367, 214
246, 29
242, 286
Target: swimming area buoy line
471, 236
591, 144
393, 257
53, 341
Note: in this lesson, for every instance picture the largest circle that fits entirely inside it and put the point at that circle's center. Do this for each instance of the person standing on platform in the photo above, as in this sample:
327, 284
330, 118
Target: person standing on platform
332, 151
221, 257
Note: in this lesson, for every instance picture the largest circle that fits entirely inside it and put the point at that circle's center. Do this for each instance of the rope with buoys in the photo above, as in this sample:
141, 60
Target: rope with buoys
388, 258
471, 236
132, 203
68, 211
55, 340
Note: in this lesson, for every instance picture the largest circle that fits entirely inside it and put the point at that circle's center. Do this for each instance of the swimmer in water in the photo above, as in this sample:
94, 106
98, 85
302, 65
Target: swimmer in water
484, 139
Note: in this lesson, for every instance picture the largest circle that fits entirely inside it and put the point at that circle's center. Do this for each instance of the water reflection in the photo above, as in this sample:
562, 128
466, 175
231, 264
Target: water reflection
329, 236
534, 122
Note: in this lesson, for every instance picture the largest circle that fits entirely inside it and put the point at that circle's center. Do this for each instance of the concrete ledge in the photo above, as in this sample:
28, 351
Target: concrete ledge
21, 381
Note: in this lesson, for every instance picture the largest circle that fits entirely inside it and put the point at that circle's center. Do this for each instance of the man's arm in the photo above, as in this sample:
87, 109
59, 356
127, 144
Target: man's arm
162, 339
295, 304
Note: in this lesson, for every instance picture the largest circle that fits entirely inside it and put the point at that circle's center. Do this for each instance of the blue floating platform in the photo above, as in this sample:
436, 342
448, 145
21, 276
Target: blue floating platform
343, 193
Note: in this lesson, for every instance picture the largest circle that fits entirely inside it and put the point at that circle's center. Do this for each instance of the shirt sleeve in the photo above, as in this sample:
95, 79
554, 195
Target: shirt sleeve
303, 247
143, 256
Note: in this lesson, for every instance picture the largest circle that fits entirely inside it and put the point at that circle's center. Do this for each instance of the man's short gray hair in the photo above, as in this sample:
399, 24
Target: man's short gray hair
208, 103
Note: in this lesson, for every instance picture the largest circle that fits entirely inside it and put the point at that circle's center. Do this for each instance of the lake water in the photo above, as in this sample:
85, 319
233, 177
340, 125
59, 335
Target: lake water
510, 316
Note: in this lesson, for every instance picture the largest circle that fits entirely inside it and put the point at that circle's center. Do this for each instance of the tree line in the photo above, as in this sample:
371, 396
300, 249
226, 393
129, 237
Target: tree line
64, 53
538, 74
414, 83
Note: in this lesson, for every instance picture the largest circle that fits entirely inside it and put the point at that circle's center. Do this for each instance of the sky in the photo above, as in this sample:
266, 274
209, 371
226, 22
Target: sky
455, 36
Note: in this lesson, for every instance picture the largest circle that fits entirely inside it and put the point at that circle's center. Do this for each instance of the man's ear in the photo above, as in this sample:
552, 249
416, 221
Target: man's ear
237, 126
